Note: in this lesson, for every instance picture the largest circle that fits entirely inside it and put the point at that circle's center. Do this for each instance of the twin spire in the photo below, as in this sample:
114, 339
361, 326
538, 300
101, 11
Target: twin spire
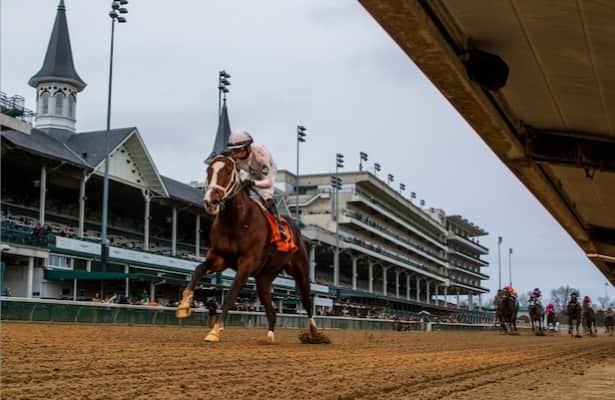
57, 84
58, 65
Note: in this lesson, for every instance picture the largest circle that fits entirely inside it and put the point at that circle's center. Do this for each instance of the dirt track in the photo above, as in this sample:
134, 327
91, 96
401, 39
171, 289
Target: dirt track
114, 362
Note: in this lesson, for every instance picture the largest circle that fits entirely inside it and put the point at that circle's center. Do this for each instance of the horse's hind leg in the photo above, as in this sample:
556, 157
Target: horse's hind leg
302, 283
263, 287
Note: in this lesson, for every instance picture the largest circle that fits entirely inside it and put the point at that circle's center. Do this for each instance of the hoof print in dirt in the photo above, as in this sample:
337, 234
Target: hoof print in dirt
314, 338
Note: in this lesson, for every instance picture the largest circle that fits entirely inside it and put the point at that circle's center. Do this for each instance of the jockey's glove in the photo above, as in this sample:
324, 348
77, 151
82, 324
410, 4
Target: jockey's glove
248, 183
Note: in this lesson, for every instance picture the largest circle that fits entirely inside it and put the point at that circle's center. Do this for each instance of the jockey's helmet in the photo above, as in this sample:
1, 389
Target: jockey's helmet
508, 288
586, 299
536, 292
239, 141
574, 294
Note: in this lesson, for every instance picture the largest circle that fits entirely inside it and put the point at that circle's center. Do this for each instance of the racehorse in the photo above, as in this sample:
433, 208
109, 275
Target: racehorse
537, 315
609, 322
589, 319
241, 239
551, 321
506, 311
574, 316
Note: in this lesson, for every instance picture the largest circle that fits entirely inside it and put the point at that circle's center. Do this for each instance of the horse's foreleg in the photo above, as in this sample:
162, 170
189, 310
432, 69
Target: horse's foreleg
183, 309
229, 300
211, 263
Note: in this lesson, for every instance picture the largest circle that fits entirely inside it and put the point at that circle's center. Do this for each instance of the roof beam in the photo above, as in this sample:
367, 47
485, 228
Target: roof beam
583, 150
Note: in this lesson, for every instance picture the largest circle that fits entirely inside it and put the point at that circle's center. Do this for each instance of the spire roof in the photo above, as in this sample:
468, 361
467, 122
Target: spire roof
58, 64
222, 135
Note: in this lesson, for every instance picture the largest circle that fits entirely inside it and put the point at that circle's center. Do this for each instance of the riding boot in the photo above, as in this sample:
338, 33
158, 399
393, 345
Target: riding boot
270, 204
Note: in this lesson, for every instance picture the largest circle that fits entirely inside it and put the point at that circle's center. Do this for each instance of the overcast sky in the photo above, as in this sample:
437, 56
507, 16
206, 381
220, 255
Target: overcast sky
324, 64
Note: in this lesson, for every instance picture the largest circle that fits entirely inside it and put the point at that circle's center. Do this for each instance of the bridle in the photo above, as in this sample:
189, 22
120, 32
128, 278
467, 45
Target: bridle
232, 188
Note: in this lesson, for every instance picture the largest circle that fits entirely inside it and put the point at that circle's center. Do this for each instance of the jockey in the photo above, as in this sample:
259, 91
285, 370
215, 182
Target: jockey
256, 162
573, 297
550, 308
536, 296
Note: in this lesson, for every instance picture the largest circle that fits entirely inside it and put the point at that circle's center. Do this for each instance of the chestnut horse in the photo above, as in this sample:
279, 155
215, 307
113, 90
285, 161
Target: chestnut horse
241, 239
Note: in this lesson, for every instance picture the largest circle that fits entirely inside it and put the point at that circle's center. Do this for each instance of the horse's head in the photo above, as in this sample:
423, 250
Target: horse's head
222, 181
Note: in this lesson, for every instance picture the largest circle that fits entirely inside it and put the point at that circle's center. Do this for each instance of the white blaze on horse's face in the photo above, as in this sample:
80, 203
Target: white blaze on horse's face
212, 200
222, 179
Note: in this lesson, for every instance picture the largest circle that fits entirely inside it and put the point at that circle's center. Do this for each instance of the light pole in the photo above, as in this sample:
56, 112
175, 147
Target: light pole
362, 157
499, 264
510, 251
116, 10
336, 182
390, 179
300, 139
223, 84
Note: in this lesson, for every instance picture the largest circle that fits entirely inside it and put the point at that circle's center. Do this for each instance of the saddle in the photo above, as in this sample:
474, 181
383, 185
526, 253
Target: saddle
286, 245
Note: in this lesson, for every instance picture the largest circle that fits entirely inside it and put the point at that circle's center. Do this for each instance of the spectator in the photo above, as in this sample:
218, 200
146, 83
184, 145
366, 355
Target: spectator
96, 298
111, 299
36, 233
144, 297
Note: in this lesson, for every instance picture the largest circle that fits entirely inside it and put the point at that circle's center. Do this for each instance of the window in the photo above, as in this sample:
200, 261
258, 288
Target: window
45, 103
59, 262
60, 103
71, 106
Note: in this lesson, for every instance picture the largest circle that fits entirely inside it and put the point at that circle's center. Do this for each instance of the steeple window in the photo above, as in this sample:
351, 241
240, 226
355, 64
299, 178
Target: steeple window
59, 103
71, 105
45, 102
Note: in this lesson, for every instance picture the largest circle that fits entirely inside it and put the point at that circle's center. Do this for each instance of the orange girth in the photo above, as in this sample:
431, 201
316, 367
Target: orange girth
284, 246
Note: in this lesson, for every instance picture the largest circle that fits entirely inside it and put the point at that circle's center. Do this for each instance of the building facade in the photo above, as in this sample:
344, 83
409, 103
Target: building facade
389, 247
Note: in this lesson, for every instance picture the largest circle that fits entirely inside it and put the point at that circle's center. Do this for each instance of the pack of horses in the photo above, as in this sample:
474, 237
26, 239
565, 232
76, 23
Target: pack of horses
579, 315
240, 239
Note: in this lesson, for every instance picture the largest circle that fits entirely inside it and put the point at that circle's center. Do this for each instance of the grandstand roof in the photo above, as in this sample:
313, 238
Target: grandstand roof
181, 191
38, 142
91, 145
85, 150
58, 64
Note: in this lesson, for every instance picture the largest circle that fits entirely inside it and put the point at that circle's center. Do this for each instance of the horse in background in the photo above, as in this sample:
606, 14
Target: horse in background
506, 311
241, 239
573, 309
589, 319
551, 320
537, 315
609, 322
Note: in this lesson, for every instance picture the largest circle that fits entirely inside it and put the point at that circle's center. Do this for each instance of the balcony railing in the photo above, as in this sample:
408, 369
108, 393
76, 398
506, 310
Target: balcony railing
388, 234
464, 239
379, 250
469, 256
12, 233
464, 269
422, 231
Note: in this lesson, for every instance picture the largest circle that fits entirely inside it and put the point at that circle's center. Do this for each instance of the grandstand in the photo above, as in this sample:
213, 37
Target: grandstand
396, 258
393, 252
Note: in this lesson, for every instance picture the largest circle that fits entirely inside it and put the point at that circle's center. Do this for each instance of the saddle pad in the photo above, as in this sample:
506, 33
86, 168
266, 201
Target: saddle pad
284, 246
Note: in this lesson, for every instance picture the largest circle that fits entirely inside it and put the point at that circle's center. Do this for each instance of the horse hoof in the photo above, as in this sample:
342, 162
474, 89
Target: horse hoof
183, 313
212, 337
